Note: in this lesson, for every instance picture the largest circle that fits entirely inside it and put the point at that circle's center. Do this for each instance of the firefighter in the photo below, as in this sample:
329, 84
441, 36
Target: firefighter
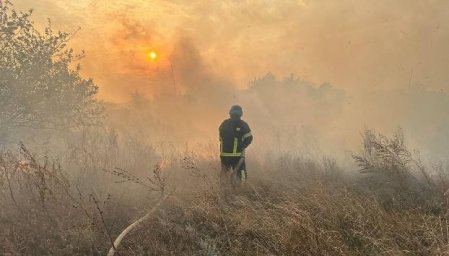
235, 137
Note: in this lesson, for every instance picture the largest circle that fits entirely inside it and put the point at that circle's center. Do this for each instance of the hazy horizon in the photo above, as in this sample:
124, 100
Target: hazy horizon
385, 62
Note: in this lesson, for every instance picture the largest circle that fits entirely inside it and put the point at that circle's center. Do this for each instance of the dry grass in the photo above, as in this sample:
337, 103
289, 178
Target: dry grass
291, 206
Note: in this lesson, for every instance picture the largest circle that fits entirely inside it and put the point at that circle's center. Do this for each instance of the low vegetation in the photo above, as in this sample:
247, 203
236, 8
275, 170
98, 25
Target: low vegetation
291, 206
98, 191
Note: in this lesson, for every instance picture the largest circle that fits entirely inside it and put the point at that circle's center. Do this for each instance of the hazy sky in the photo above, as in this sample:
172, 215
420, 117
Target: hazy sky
349, 43
386, 61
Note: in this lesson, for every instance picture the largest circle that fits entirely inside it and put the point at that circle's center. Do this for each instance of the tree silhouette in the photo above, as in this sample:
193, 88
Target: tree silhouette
40, 87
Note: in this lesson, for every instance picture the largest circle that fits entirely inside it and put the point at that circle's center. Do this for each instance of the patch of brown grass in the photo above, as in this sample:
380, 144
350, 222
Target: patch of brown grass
291, 206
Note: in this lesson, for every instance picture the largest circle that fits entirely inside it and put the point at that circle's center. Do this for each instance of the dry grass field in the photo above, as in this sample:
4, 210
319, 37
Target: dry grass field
79, 203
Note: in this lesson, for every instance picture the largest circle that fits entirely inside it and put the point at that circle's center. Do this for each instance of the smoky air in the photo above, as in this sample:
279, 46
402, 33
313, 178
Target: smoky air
224, 127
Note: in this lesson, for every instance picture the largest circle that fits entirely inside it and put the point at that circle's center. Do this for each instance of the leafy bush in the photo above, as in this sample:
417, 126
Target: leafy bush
38, 88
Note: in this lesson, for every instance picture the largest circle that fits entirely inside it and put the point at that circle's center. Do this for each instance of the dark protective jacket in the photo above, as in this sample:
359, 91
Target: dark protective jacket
235, 135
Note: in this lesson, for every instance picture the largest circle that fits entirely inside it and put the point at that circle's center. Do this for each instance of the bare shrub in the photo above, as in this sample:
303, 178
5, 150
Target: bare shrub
397, 175
41, 210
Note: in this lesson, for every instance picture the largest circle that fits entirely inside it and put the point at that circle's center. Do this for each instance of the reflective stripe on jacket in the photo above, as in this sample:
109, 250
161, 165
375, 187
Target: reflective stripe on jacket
235, 135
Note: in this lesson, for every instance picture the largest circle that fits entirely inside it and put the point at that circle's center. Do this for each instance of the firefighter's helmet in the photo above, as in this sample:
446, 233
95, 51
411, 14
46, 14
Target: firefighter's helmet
236, 110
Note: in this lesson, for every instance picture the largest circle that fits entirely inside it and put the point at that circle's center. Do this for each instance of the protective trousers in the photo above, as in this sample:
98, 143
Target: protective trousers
231, 162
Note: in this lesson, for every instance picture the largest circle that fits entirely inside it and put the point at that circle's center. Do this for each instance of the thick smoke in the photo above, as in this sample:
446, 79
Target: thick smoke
356, 64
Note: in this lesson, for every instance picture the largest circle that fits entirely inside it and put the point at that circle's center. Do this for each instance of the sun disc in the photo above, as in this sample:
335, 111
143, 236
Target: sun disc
152, 55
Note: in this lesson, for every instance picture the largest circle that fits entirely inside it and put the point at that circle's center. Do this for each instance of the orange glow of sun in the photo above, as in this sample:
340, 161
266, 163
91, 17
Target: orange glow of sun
152, 55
